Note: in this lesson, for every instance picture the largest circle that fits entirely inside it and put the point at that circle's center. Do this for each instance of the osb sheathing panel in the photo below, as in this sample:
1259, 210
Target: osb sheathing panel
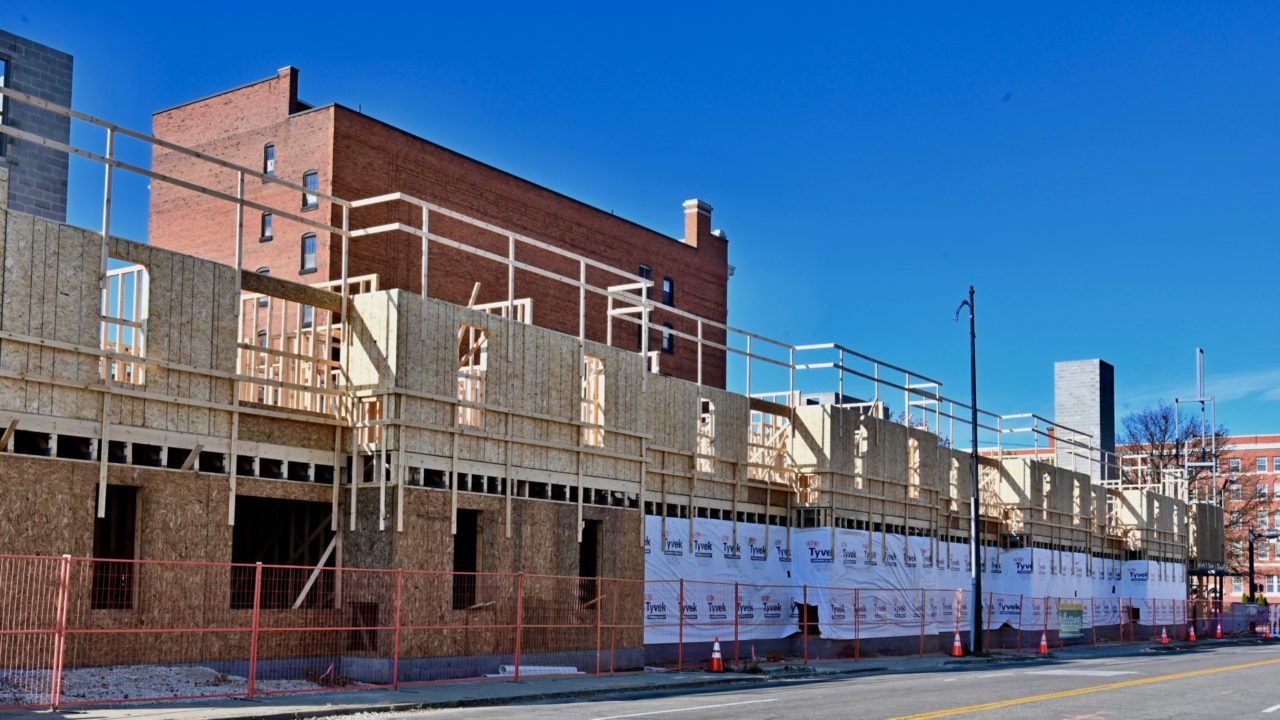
191, 322
46, 506
50, 290
544, 542
541, 378
294, 433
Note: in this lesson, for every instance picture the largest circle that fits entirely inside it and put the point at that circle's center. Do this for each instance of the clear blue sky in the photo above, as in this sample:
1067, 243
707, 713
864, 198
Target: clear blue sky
1106, 177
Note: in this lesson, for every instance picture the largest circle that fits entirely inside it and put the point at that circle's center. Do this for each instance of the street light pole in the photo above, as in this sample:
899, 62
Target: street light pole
975, 505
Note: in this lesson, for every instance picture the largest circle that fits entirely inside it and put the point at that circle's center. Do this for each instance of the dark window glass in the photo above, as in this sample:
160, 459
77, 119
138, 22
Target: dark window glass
262, 301
4, 101
668, 291
310, 181
266, 227
308, 252
668, 340
269, 159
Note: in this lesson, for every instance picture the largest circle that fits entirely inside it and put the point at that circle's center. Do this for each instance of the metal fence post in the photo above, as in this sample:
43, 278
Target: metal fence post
613, 627
60, 630
737, 610
395, 651
986, 629
599, 603
922, 611
253, 634
857, 625
804, 620
680, 643
1022, 599
1093, 620
519, 621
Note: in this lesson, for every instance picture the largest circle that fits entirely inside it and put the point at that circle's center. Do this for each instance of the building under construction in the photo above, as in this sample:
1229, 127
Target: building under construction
158, 406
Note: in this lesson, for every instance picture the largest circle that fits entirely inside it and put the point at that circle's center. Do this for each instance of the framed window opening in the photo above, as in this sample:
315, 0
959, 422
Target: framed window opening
473, 364
269, 159
593, 409
267, 234
115, 542
706, 460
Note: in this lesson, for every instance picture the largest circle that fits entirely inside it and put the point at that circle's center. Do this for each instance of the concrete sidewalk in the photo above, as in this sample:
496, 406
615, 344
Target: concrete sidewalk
544, 689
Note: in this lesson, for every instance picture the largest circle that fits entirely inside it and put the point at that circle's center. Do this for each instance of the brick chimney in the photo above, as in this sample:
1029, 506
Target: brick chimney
289, 75
697, 221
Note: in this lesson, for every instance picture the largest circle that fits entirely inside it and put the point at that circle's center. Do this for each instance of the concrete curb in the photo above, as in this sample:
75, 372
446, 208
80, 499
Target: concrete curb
412, 706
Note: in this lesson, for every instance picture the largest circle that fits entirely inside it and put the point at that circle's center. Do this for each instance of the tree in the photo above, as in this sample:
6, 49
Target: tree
1159, 447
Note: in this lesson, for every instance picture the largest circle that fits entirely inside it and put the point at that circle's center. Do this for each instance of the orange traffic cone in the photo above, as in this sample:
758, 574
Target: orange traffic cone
1217, 634
1191, 634
1164, 637
1044, 643
717, 664
1266, 632
956, 649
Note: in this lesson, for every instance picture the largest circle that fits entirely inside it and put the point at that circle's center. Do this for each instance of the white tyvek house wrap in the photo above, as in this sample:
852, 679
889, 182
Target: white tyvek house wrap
904, 585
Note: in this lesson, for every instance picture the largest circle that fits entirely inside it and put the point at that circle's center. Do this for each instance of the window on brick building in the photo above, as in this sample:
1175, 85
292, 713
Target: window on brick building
1234, 464
267, 233
1237, 586
308, 253
4, 101
1262, 519
1236, 493
264, 301
668, 291
310, 181
668, 339
645, 273
1260, 464
308, 316
269, 159
1273, 584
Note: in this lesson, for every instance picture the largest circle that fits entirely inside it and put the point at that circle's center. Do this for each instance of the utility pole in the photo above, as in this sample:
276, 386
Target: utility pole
975, 505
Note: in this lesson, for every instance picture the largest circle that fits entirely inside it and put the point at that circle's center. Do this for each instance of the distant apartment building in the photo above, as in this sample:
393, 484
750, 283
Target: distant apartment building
1251, 470
331, 149
33, 178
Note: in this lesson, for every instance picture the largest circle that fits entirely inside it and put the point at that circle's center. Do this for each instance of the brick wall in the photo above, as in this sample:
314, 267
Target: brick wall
37, 175
372, 158
360, 157
236, 126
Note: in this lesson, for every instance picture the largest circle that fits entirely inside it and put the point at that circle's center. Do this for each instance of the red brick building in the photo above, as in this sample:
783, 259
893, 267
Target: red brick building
1253, 500
344, 153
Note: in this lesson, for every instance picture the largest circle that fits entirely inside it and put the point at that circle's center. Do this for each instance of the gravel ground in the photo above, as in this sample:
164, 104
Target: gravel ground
128, 682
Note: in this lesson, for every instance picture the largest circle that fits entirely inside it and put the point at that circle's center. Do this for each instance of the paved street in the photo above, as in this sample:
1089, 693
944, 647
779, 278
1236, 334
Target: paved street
1239, 681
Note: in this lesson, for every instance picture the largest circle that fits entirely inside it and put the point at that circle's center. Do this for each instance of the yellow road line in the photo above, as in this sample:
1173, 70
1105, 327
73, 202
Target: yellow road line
949, 712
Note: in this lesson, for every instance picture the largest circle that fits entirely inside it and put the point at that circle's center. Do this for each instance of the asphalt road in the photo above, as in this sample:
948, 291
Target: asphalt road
1223, 682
